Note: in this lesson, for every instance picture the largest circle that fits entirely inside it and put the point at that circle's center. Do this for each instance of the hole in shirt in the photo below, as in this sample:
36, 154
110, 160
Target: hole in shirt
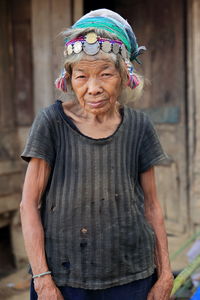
66, 264
84, 230
83, 244
102, 199
53, 207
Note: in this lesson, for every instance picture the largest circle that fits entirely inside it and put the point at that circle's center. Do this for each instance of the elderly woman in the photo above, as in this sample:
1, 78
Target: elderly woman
91, 219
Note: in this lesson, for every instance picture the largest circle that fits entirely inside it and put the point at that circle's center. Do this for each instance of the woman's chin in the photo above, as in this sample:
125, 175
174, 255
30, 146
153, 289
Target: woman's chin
98, 110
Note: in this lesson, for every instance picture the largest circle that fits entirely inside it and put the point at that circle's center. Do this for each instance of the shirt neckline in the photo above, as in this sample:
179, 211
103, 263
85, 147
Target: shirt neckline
76, 131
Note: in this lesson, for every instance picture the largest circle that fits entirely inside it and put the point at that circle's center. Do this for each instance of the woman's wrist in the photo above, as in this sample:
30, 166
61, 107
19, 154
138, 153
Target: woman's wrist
41, 274
166, 274
39, 268
43, 282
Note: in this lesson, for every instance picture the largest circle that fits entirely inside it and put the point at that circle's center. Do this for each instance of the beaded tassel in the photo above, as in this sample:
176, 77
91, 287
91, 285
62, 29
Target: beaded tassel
133, 80
61, 81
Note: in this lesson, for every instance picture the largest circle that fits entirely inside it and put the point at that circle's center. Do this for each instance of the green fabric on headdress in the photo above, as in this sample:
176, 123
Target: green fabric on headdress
107, 24
114, 23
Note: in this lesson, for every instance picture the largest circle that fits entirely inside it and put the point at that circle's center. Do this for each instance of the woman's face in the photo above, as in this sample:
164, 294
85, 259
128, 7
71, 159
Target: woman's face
97, 84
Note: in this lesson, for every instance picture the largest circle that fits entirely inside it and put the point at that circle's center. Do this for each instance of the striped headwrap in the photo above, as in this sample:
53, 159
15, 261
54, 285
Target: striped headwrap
114, 23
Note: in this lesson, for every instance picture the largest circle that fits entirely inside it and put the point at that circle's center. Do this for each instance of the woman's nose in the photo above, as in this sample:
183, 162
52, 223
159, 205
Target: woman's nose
94, 86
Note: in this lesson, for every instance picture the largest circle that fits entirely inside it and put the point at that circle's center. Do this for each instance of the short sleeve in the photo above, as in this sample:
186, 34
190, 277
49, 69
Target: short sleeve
40, 143
151, 152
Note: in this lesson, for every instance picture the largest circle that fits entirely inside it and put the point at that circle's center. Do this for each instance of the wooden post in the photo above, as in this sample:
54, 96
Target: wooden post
193, 70
42, 53
61, 18
49, 18
6, 71
77, 10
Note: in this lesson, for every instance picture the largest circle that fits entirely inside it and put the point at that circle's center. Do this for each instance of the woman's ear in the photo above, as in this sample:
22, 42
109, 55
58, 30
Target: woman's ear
62, 81
132, 79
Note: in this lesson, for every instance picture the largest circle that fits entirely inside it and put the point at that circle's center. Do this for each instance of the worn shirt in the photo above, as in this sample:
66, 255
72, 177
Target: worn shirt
96, 235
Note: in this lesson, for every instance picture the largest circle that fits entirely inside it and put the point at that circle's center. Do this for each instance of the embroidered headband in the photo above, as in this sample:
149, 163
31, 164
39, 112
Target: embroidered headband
91, 44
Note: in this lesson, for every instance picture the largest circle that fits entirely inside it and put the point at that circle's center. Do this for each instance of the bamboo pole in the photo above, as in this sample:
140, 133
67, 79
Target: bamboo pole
185, 274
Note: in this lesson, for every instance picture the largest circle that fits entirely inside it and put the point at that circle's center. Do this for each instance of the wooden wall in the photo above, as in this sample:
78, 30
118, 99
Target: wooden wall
14, 111
162, 31
31, 56
193, 71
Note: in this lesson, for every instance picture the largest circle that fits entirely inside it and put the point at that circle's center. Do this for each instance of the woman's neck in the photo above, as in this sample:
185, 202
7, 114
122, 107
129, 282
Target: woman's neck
94, 126
77, 113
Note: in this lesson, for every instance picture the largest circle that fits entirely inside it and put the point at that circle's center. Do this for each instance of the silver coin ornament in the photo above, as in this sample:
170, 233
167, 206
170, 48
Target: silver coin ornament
78, 47
123, 51
91, 44
106, 46
116, 48
65, 53
69, 49
91, 38
91, 49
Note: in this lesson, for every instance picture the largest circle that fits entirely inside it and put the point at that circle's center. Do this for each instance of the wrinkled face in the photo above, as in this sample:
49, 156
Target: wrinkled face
97, 84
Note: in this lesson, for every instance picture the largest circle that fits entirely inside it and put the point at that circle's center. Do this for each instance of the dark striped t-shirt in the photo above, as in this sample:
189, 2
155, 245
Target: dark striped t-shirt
96, 235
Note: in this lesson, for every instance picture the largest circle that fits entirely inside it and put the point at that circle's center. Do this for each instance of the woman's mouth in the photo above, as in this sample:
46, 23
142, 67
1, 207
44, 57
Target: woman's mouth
96, 103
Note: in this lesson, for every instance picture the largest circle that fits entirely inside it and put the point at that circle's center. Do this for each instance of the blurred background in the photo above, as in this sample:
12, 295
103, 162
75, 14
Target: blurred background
31, 57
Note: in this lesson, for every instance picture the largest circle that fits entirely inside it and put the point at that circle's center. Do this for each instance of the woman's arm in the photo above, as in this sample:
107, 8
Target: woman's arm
153, 213
36, 179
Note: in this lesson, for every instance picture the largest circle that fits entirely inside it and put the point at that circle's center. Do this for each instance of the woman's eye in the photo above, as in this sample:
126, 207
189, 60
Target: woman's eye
106, 74
80, 77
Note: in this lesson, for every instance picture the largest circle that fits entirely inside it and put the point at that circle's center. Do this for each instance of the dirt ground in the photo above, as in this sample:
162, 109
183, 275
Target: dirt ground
15, 286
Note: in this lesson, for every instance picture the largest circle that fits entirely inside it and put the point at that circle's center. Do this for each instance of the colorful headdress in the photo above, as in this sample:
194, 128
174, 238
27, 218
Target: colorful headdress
91, 43
125, 43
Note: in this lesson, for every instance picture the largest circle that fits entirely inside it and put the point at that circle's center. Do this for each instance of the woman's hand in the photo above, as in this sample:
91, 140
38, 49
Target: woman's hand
46, 289
162, 288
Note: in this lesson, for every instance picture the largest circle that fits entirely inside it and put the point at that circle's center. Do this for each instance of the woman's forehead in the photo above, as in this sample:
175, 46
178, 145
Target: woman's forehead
93, 64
